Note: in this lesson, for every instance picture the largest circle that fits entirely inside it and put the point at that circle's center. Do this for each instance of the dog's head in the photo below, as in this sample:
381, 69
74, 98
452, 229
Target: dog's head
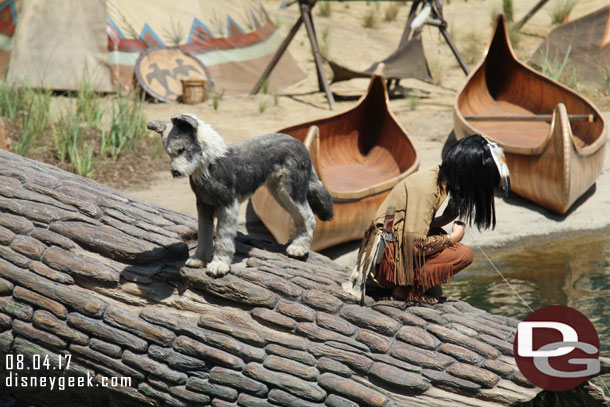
185, 138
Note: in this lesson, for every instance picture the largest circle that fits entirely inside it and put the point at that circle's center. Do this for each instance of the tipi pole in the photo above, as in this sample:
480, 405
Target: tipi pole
305, 8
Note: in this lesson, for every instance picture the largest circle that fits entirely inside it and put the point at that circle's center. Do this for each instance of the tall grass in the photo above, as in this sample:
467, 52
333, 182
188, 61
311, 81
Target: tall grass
127, 124
325, 43
561, 9
324, 9
370, 18
507, 8
70, 142
391, 11
555, 68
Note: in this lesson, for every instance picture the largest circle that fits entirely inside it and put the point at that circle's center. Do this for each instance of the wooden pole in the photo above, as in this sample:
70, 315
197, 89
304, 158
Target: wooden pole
305, 12
276, 58
305, 17
526, 117
517, 26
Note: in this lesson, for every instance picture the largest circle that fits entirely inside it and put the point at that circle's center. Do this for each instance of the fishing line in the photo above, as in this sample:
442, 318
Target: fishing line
498, 271
517, 294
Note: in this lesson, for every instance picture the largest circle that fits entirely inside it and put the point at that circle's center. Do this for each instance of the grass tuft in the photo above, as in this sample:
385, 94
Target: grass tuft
263, 104
324, 9
438, 69
561, 9
370, 19
507, 8
471, 47
391, 12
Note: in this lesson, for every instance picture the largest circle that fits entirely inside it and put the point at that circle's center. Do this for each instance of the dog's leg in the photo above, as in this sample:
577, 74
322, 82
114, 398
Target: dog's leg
302, 215
224, 243
205, 235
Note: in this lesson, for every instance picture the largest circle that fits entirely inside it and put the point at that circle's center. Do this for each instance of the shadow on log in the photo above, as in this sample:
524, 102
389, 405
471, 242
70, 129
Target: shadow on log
93, 274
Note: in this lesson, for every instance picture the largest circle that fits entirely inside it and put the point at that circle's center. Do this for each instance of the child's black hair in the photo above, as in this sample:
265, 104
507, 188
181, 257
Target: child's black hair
470, 175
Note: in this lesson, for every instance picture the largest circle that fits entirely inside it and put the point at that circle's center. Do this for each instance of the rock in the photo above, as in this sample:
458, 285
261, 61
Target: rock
132, 323
290, 384
349, 389
157, 369
213, 390
235, 379
48, 322
475, 374
231, 288
38, 300
321, 301
191, 347
355, 361
76, 266
274, 319
407, 382
335, 323
297, 369
101, 330
369, 319
329, 365
417, 336
28, 246
296, 311
296, 355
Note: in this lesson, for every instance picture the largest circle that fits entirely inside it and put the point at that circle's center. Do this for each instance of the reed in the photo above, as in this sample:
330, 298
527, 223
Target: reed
324, 9
507, 8
391, 12
561, 9
370, 19
127, 124
263, 104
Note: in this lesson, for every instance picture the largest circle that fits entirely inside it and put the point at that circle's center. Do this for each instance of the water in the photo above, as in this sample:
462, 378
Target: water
573, 272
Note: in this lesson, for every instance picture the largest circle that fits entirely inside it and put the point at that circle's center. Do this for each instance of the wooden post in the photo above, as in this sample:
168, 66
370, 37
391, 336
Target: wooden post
305, 8
276, 58
517, 26
454, 49
305, 12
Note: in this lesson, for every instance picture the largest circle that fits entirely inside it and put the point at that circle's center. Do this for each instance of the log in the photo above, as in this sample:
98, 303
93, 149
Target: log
274, 330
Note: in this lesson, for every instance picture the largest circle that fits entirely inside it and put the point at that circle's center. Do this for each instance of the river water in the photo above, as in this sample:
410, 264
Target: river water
573, 272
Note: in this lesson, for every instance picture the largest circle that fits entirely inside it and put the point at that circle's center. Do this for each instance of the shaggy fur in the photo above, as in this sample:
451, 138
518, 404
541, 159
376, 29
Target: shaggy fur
222, 176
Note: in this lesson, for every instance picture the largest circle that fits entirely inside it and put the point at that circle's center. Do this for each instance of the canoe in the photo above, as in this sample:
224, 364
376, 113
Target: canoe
359, 155
554, 138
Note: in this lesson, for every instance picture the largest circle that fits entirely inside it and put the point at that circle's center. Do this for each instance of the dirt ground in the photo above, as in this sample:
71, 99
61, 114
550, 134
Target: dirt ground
427, 118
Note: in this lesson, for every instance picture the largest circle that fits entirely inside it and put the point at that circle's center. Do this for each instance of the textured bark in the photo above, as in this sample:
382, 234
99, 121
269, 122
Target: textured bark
89, 271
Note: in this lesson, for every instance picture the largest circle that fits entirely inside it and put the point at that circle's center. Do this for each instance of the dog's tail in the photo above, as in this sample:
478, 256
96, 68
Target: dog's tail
319, 199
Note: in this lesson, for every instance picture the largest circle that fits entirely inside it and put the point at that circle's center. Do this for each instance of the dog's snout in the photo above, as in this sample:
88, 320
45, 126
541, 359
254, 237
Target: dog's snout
176, 173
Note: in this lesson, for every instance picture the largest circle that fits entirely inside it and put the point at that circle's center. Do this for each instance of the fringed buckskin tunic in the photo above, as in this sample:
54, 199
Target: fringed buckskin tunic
415, 201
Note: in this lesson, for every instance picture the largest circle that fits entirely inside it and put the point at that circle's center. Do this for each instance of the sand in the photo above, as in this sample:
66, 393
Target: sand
429, 123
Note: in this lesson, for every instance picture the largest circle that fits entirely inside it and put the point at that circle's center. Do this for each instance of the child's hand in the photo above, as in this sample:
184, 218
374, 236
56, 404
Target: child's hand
457, 233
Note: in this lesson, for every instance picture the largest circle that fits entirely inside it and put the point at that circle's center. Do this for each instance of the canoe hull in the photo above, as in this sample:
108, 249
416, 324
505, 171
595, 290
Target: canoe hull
349, 223
359, 155
557, 176
551, 164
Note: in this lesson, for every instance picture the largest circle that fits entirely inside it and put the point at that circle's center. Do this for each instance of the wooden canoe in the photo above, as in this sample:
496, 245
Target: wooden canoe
554, 138
359, 155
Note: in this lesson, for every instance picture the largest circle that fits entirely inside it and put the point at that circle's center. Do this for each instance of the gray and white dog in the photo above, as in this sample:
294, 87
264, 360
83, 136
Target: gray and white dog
222, 176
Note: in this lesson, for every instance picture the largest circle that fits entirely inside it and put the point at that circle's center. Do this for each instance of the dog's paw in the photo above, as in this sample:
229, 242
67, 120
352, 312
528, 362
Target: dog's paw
194, 262
218, 268
297, 250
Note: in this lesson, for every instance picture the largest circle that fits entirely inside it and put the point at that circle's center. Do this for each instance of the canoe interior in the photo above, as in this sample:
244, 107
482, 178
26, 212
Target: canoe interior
362, 147
503, 86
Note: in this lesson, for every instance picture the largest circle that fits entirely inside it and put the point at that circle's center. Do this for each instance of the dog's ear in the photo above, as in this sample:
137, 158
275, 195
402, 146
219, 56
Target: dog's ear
185, 119
158, 126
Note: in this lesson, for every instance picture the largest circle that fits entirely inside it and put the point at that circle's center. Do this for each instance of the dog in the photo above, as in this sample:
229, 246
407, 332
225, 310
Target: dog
222, 176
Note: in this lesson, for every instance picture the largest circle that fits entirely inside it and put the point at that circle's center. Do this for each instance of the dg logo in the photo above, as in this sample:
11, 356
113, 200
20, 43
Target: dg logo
557, 348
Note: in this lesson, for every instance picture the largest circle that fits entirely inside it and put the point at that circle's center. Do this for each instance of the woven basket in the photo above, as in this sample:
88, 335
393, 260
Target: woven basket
193, 91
